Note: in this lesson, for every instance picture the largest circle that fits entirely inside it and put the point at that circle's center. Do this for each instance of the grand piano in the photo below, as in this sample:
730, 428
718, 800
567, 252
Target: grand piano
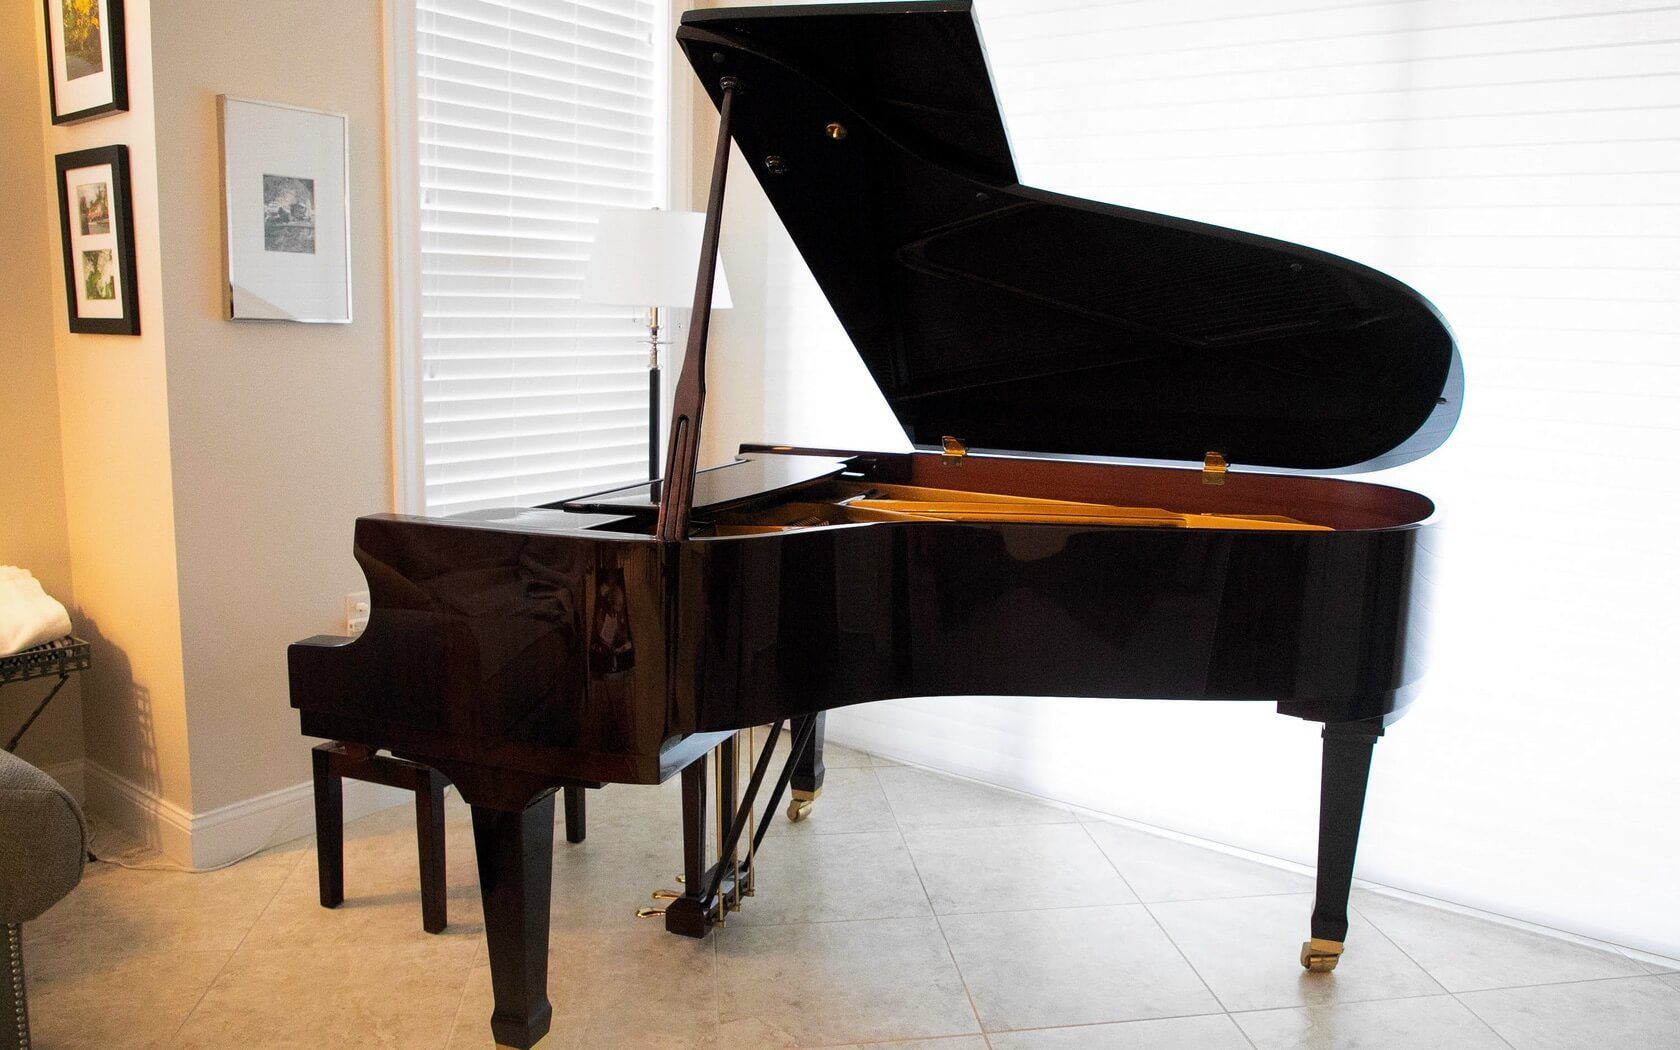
1123, 425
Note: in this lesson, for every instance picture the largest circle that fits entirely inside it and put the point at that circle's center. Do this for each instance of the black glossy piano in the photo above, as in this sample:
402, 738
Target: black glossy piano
1122, 422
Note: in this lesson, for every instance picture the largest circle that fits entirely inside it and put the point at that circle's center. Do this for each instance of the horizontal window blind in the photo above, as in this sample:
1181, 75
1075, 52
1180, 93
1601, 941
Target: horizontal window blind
531, 118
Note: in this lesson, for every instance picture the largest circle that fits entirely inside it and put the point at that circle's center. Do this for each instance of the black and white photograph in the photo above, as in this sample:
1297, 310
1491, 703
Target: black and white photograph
96, 225
287, 212
87, 59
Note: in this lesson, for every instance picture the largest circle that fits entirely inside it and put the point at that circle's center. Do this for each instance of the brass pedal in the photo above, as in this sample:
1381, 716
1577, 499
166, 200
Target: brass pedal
650, 913
666, 895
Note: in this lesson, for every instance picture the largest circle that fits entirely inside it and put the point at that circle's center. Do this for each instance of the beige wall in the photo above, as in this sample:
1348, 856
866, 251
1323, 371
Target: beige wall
209, 477
32, 527
115, 432
279, 430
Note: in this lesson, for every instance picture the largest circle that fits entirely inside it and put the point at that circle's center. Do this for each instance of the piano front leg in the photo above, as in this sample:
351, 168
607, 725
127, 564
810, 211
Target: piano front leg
808, 773
515, 862
1341, 803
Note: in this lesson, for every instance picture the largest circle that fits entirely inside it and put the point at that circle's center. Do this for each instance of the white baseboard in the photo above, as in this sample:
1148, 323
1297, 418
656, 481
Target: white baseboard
227, 833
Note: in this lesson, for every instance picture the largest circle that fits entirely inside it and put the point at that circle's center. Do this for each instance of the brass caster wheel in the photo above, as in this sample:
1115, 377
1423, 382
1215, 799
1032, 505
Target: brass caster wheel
1321, 956
800, 807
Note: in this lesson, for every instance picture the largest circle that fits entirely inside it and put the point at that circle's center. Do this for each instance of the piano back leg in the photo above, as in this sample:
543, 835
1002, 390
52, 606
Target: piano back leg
808, 773
1341, 803
515, 861
576, 809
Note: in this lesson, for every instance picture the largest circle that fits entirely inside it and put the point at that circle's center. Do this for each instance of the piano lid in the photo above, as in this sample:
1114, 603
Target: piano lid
1022, 320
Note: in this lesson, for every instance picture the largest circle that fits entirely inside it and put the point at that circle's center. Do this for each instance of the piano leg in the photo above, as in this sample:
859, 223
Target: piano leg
1341, 803
687, 914
807, 772
515, 863
575, 810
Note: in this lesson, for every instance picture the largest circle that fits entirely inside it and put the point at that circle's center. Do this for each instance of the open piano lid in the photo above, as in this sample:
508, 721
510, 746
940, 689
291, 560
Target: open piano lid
1023, 320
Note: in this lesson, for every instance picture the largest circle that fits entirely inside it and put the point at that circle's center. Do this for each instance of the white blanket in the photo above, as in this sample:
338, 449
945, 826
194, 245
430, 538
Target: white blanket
28, 616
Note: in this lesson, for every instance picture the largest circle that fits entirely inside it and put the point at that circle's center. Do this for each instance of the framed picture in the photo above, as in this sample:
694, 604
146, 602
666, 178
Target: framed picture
286, 196
87, 59
95, 213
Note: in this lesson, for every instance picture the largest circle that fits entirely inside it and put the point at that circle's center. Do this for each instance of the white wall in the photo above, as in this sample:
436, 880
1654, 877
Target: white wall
1514, 162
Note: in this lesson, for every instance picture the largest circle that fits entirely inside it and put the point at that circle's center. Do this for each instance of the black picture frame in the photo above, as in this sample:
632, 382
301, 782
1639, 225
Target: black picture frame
116, 38
121, 227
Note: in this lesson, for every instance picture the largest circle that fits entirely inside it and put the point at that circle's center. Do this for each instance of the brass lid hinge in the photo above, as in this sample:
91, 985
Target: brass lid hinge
954, 452
1213, 469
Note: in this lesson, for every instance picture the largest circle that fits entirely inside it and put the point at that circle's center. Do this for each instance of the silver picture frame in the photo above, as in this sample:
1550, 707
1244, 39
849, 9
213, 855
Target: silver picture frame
286, 212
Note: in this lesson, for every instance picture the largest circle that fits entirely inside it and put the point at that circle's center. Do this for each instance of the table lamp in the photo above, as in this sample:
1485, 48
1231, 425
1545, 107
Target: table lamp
649, 258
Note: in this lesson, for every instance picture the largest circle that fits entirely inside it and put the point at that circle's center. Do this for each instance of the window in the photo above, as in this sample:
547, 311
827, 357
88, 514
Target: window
529, 117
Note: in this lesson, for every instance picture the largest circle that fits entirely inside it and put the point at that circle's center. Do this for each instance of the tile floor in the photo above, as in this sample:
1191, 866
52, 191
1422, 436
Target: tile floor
912, 910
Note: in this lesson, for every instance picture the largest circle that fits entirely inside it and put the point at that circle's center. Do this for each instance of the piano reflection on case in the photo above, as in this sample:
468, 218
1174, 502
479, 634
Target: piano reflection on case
1121, 422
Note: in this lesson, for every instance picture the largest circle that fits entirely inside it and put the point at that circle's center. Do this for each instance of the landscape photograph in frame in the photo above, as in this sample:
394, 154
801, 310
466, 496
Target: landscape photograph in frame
87, 59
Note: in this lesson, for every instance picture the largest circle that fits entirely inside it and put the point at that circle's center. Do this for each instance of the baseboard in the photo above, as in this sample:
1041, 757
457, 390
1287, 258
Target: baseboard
227, 833
70, 777
149, 817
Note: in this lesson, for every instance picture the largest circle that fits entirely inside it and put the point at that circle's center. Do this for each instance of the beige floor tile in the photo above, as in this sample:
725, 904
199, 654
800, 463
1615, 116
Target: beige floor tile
115, 995
1040, 969
1630, 1012
1014, 868
1395, 1024
1162, 869
1247, 949
851, 801
381, 891
613, 989
628, 813
827, 878
601, 884
360, 996
204, 911
1207, 1032
928, 800
1468, 954
950, 1042
838, 982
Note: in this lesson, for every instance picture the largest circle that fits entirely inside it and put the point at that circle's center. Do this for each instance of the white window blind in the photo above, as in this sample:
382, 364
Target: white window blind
531, 117
1518, 162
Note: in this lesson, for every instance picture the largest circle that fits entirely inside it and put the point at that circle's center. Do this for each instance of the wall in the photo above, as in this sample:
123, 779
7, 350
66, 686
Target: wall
32, 527
117, 476
1505, 162
280, 431
210, 476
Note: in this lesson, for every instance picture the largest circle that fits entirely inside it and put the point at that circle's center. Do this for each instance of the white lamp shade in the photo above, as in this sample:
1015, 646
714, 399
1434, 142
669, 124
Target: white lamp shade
644, 257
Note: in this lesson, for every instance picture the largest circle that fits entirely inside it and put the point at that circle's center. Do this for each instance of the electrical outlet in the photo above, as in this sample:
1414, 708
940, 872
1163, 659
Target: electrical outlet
356, 606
